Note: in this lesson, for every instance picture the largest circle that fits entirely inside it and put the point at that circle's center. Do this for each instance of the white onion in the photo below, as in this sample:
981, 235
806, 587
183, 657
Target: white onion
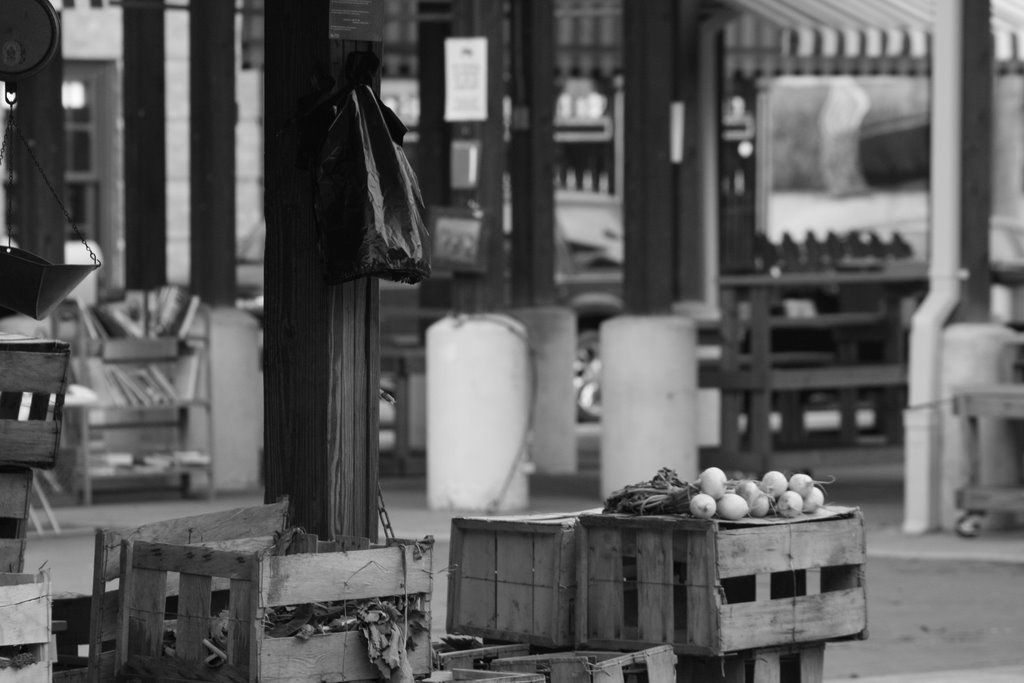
775, 483
712, 482
760, 506
731, 506
814, 500
748, 490
790, 504
702, 505
801, 483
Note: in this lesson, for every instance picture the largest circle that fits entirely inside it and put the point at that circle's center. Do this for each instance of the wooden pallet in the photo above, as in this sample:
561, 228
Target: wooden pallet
15, 492
33, 380
796, 664
25, 625
513, 579
260, 581
652, 665
711, 587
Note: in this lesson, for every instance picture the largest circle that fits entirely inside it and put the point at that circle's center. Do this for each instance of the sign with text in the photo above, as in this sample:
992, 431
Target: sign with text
465, 79
457, 240
356, 20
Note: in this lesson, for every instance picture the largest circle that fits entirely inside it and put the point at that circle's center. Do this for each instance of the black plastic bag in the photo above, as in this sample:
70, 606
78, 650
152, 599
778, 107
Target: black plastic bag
370, 212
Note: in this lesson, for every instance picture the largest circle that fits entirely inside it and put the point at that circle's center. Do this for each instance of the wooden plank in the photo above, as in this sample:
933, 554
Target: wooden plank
32, 443
24, 609
294, 579
194, 560
514, 581
12, 554
767, 667
793, 620
765, 549
239, 617
142, 614
812, 663
602, 585
655, 586
331, 656
466, 659
34, 673
15, 487
864, 375
703, 601
560, 622
991, 499
34, 372
471, 596
496, 676
193, 622
247, 522
995, 404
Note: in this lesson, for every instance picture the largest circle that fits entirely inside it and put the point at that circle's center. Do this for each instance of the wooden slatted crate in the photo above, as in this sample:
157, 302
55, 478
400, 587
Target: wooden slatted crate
794, 664
15, 491
652, 665
33, 381
25, 626
711, 587
513, 578
478, 657
260, 581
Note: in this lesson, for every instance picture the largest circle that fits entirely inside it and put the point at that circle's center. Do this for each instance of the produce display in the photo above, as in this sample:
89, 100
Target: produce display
714, 495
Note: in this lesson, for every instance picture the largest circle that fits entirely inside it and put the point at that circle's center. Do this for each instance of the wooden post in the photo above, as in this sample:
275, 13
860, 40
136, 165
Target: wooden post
39, 223
432, 158
975, 146
691, 269
321, 353
145, 174
475, 293
532, 152
650, 235
213, 113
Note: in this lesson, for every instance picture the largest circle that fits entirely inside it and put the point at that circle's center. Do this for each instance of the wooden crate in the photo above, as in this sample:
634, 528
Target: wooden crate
92, 620
652, 665
25, 625
260, 581
33, 380
478, 657
711, 587
513, 578
794, 664
15, 492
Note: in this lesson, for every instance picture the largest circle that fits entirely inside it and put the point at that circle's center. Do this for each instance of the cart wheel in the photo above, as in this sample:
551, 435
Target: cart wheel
969, 524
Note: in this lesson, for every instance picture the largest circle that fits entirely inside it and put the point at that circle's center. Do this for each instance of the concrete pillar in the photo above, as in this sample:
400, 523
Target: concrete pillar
975, 353
479, 395
649, 399
552, 334
236, 389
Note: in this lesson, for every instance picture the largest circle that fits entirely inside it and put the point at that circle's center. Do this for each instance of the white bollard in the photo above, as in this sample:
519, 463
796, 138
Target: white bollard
649, 399
479, 402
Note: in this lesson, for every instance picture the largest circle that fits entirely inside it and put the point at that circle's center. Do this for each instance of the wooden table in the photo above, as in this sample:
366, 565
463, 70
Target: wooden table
754, 382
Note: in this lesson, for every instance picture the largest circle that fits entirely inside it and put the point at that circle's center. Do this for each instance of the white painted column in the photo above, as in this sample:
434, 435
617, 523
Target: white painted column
479, 400
552, 334
649, 399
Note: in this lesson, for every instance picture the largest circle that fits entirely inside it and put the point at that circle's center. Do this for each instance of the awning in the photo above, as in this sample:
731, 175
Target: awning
852, 37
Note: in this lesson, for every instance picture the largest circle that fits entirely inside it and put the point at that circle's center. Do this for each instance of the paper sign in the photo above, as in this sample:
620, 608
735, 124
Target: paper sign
457, 240
465, 79
356, 20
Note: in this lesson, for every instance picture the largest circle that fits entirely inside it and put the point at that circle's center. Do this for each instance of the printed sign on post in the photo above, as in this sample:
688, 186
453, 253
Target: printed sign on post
356, 20
457, 243
465, 79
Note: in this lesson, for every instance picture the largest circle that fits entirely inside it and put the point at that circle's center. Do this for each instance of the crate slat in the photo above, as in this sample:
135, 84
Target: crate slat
655, 589
34, 372
194, 559
194, 596
804, 663
32, 443
764, 549
654, 665
24, 609
513, 581
807, 618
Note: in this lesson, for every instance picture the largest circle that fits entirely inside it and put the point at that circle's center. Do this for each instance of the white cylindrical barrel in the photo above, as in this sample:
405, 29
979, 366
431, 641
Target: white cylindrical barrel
649, 399
976, 353
479, 395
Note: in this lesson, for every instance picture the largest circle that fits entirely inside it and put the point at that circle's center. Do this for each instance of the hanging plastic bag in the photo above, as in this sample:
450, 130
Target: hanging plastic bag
368, 203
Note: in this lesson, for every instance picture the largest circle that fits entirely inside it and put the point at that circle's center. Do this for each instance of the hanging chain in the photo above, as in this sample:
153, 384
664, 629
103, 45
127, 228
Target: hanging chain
11, 125
9, 97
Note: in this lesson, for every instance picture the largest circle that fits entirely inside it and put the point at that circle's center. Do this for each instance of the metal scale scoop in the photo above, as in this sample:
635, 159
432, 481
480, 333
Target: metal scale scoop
29, 284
